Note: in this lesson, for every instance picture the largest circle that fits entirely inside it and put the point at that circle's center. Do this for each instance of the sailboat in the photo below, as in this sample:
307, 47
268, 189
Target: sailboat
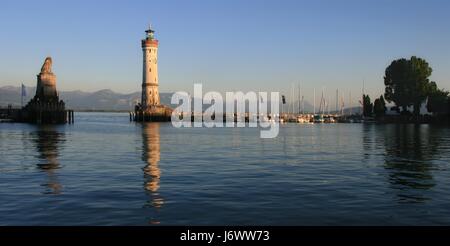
318, 118
301, 117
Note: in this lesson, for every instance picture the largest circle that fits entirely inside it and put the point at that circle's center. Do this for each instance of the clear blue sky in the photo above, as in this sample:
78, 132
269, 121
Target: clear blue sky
225, 44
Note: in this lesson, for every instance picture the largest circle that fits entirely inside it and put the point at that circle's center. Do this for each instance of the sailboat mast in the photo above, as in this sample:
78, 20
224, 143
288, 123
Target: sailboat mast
322, 103
293, 98
337, 100
314, 101
328, 106
350, 102
325, 101
299, 96
303, 104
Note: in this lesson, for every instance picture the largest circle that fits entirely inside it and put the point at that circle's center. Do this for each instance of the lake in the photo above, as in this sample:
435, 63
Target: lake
104, 170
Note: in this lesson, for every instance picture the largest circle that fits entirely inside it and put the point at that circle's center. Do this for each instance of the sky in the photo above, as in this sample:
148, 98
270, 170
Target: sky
227, 45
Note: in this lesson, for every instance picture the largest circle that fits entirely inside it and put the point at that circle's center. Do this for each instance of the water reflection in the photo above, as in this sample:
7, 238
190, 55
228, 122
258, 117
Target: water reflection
409, 151
151, 156
47, 142
369, 138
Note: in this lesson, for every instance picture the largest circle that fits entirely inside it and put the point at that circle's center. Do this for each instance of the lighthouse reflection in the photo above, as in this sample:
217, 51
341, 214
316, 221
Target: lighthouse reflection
151, 156
47, 142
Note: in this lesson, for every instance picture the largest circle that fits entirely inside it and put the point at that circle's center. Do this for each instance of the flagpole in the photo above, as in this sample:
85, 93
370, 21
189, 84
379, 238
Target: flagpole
21, 100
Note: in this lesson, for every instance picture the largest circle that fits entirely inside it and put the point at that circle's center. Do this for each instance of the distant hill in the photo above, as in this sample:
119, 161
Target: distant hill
108, 100
79, 100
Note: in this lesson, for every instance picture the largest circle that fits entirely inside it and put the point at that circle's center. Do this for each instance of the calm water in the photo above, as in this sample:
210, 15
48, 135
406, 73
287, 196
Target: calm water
106, 171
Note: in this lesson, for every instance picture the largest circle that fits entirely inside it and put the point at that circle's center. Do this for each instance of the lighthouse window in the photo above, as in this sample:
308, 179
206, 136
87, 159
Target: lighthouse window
150, 70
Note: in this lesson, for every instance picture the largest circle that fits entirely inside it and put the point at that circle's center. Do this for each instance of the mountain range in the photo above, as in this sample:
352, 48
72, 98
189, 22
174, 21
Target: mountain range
104, 100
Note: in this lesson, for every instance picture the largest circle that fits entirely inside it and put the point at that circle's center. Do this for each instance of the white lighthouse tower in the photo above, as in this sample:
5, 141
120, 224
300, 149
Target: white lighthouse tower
150, 93
151, 109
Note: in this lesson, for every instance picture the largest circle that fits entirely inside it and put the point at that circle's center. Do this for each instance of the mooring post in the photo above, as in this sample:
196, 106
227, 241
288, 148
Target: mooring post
40, 117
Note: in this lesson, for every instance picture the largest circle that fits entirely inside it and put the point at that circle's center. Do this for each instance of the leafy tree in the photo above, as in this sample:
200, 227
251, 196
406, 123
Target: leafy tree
407, 83
367, 106
379, 107
437, 100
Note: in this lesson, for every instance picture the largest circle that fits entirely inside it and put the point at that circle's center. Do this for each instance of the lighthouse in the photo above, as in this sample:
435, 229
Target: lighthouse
150, 109
150, 92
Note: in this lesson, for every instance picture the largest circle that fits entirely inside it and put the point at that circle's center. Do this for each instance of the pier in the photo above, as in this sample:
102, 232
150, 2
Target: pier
45, 107
41, 115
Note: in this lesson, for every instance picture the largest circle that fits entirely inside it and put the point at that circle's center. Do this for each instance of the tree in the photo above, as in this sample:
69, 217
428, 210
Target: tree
437, 100
407, 83
379, 107
367, 106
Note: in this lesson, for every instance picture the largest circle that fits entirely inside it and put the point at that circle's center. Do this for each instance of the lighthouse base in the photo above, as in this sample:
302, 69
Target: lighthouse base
156, 113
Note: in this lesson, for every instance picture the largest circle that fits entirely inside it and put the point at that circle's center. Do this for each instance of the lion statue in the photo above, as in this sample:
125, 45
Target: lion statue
47, 67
